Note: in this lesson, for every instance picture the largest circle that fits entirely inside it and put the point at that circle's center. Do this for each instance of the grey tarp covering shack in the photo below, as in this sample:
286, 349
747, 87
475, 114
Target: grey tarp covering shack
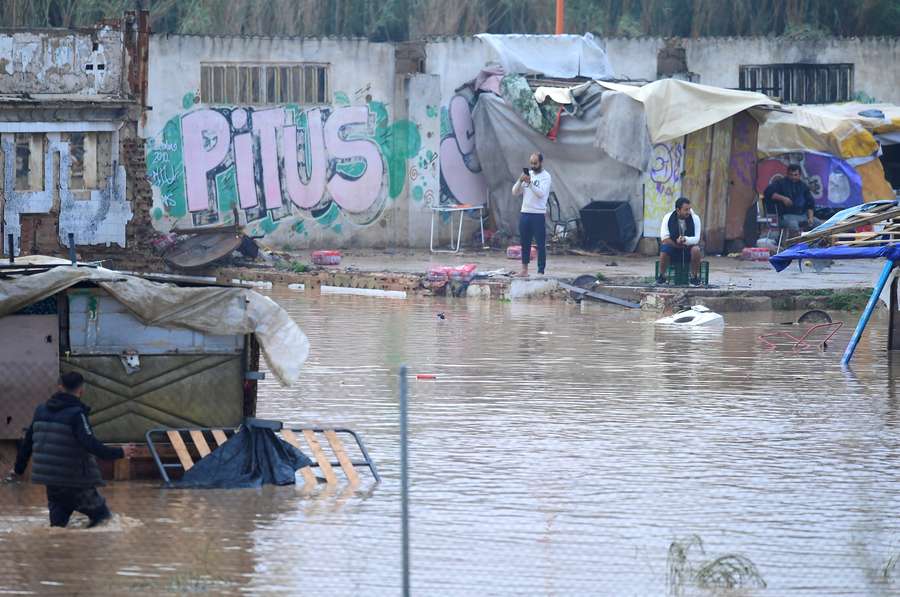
216, 310
582, 172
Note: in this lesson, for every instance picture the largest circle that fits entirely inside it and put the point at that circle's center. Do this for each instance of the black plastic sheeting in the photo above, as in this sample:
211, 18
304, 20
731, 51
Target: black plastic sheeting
252, 457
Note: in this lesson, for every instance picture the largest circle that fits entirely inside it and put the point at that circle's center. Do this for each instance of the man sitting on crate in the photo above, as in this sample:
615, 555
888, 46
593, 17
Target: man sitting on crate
680, 237
62, 445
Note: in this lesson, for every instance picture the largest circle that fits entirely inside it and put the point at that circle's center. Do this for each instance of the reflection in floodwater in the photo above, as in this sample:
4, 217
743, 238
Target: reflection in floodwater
560, 450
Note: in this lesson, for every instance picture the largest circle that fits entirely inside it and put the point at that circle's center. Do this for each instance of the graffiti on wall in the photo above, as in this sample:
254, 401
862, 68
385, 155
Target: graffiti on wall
286, 163
662, 184
100, 219
461, 178
832, 181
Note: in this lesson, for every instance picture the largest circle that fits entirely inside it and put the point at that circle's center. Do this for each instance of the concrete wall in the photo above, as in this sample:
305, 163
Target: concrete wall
717, 60
330, 175
61, 166
64, 62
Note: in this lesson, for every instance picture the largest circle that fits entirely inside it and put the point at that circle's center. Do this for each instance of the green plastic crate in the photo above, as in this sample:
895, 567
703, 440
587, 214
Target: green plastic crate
679, 275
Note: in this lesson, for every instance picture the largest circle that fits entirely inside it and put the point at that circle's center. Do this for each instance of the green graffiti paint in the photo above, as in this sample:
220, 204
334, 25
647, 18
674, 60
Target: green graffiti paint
157, 213
398, 142
337, 228
165, 169
446, 129
418, 193
341, 99
429, 155
187, 101
431, 111
268, 225
299, 227
331, 214
226, 190
352, 170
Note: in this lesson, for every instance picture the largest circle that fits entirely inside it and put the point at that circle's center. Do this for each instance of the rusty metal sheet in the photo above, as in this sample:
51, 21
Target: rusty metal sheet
202, 249
29, 368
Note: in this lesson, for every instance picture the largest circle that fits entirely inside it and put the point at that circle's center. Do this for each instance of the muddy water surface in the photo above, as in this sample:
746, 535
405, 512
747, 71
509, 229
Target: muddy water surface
560, 451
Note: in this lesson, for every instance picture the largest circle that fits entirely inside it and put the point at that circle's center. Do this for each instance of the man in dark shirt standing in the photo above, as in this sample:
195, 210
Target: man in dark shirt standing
62, 445
790, 199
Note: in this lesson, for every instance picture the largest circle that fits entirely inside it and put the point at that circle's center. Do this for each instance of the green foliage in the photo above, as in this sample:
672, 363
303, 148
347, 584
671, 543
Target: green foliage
299, 268
410, 19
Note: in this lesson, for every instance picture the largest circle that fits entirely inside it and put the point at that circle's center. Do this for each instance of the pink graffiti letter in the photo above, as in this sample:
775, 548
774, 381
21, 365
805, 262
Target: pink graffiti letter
206, 139
264, 124
243, 165
306, 194
359, 194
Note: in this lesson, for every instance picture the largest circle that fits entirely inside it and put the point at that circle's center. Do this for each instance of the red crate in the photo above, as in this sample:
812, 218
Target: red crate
515, 252
326, 257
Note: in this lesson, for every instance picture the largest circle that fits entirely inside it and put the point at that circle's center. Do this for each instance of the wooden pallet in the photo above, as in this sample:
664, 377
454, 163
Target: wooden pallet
845, 234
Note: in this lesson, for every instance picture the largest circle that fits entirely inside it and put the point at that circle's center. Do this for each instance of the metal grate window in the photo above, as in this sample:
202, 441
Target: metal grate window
264, 84
800, 83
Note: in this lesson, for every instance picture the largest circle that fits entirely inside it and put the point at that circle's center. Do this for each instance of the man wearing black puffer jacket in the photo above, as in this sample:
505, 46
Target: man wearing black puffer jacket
62, 447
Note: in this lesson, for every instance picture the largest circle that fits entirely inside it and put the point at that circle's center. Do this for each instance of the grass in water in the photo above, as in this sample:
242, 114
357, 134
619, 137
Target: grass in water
888, 571
299, 268
730, 571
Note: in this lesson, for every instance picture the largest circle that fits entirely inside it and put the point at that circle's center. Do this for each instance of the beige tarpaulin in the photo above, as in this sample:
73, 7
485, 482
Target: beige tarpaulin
836, 129
213, 310
675, 108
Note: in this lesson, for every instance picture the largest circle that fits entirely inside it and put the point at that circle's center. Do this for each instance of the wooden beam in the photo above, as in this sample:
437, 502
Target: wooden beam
338, 449
320, 457
180, 449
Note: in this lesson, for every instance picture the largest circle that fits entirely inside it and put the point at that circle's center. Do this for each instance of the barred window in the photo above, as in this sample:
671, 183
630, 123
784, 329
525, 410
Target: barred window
264, 84
800, 83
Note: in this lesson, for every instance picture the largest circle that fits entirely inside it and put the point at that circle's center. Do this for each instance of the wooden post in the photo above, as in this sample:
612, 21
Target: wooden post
560, 17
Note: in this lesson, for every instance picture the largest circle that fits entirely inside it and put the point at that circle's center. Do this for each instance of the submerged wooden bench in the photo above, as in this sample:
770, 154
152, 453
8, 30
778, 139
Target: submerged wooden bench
205, 440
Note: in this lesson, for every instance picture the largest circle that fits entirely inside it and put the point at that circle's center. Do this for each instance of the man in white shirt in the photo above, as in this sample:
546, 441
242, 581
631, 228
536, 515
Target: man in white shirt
534, 186
680, 237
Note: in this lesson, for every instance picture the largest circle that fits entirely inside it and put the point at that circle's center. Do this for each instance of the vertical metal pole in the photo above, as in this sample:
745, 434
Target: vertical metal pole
404, 477
72, 249
12, 247
873, 300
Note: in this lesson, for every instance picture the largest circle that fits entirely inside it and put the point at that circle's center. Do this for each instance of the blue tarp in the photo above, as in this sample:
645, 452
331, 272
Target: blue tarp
804, 251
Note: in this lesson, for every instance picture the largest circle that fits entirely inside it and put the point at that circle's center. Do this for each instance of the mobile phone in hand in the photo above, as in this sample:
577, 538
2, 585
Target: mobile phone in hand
526, 172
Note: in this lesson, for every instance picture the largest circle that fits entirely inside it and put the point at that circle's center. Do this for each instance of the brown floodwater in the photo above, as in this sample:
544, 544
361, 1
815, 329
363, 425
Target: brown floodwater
560, 451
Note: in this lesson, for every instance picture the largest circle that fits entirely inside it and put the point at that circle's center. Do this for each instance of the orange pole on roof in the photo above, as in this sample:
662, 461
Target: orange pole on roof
560, 16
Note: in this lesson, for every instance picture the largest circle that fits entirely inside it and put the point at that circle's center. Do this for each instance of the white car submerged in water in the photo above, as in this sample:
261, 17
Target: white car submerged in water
696, 316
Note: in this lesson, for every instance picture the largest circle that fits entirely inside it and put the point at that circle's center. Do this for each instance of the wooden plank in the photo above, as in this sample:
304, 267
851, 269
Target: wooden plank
338, 449
600, 296
717, 196
319, 455
309, 478
219, 436
742, 179
876, 215
200, 442
180, 449
695, 184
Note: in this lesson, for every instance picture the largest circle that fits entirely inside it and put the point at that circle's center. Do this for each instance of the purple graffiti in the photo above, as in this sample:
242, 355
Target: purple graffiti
460, 170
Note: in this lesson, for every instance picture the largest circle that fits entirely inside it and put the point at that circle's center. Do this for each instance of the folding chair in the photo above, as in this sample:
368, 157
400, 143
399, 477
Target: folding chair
561, 227
771, 221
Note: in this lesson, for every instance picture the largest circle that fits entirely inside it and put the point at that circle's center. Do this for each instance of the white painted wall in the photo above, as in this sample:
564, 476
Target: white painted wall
876, 60
59, 61
358, 67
